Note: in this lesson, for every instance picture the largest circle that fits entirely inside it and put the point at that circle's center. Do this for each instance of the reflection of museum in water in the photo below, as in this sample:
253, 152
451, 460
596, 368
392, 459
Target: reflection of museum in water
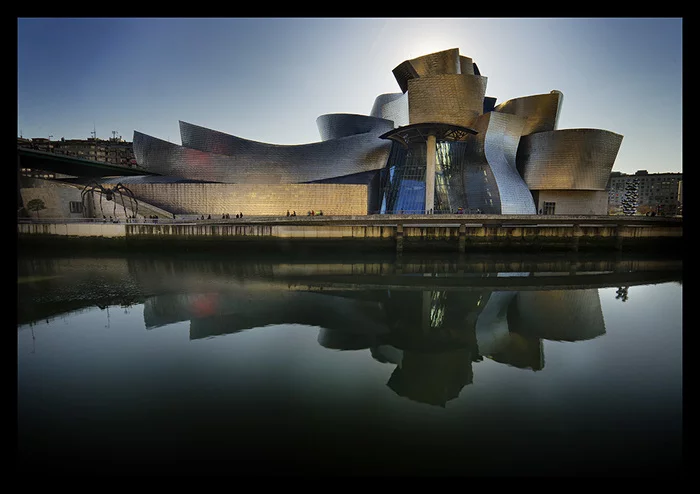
431, 336
429, 318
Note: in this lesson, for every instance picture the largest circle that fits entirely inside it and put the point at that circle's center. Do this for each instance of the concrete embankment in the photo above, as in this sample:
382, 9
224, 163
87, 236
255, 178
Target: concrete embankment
461, 233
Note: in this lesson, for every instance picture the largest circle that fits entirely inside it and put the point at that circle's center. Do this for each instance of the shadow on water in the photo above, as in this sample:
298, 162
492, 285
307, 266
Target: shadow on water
432, 316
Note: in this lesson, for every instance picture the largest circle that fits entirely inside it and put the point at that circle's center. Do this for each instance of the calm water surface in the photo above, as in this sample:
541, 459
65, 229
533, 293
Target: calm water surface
438, 366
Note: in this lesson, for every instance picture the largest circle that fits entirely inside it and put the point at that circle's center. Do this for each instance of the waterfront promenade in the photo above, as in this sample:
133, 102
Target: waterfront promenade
452, 232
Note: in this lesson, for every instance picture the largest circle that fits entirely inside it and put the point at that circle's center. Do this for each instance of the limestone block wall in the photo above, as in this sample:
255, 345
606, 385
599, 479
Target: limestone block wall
105, 230
56, 196
573, 201
255, 199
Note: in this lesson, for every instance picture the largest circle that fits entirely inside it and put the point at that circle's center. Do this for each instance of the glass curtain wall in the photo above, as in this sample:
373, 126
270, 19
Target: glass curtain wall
404, 179
449, 180
404, 189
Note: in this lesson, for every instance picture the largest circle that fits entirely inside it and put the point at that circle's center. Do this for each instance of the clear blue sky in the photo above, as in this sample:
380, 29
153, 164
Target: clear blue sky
268, 79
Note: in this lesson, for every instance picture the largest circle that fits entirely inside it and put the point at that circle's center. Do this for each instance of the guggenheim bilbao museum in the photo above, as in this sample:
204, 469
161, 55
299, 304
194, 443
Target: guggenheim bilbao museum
439, 145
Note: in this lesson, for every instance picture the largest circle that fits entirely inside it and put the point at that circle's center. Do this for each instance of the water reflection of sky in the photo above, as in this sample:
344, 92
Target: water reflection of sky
638, 331
107, 367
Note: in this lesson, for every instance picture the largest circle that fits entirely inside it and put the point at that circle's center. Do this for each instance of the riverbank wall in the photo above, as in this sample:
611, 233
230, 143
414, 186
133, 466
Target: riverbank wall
460, 233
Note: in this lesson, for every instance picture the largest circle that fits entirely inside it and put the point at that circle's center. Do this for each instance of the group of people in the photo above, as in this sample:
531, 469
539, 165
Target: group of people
225, 216
308, 213
129, 219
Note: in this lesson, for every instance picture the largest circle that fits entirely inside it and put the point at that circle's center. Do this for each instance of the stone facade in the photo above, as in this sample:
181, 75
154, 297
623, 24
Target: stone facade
255, 200
57, 198
200, 199
593, 202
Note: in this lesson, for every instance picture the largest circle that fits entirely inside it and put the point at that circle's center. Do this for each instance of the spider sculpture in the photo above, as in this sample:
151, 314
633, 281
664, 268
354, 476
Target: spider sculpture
109, 195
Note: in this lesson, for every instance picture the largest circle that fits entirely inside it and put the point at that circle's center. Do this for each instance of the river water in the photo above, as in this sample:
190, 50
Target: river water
350, 365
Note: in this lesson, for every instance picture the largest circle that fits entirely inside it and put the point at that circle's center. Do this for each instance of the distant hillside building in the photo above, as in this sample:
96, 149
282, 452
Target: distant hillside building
115, 151
657, 193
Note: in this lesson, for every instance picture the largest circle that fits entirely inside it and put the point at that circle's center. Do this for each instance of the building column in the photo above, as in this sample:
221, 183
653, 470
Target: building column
430, 173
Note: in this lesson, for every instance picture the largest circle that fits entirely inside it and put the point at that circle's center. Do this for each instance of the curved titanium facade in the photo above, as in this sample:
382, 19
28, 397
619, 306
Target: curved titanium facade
500, 144
491, 181
517, 153
579, 159
252, 162
339, 125
392, 107
541, 111
449, 98
442, 62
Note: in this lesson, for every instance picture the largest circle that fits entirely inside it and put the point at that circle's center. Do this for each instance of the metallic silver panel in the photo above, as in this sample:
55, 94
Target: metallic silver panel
442, 62
393, 106
541, 111
449, 98
337, 125
568, 159
213, 141
466, 65
247, 161
491, 179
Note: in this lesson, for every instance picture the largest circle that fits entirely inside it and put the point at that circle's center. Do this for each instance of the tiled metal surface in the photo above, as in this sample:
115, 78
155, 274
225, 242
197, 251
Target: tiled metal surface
443, 62
339, 125
541, 111
392, 107
450, 98
568, 159
492, 182
253, 162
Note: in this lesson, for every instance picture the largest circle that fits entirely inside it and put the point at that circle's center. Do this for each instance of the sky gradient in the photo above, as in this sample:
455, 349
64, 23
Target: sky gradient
268, 79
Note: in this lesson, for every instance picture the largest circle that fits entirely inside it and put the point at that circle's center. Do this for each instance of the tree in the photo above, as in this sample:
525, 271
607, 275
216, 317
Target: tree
36, 205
